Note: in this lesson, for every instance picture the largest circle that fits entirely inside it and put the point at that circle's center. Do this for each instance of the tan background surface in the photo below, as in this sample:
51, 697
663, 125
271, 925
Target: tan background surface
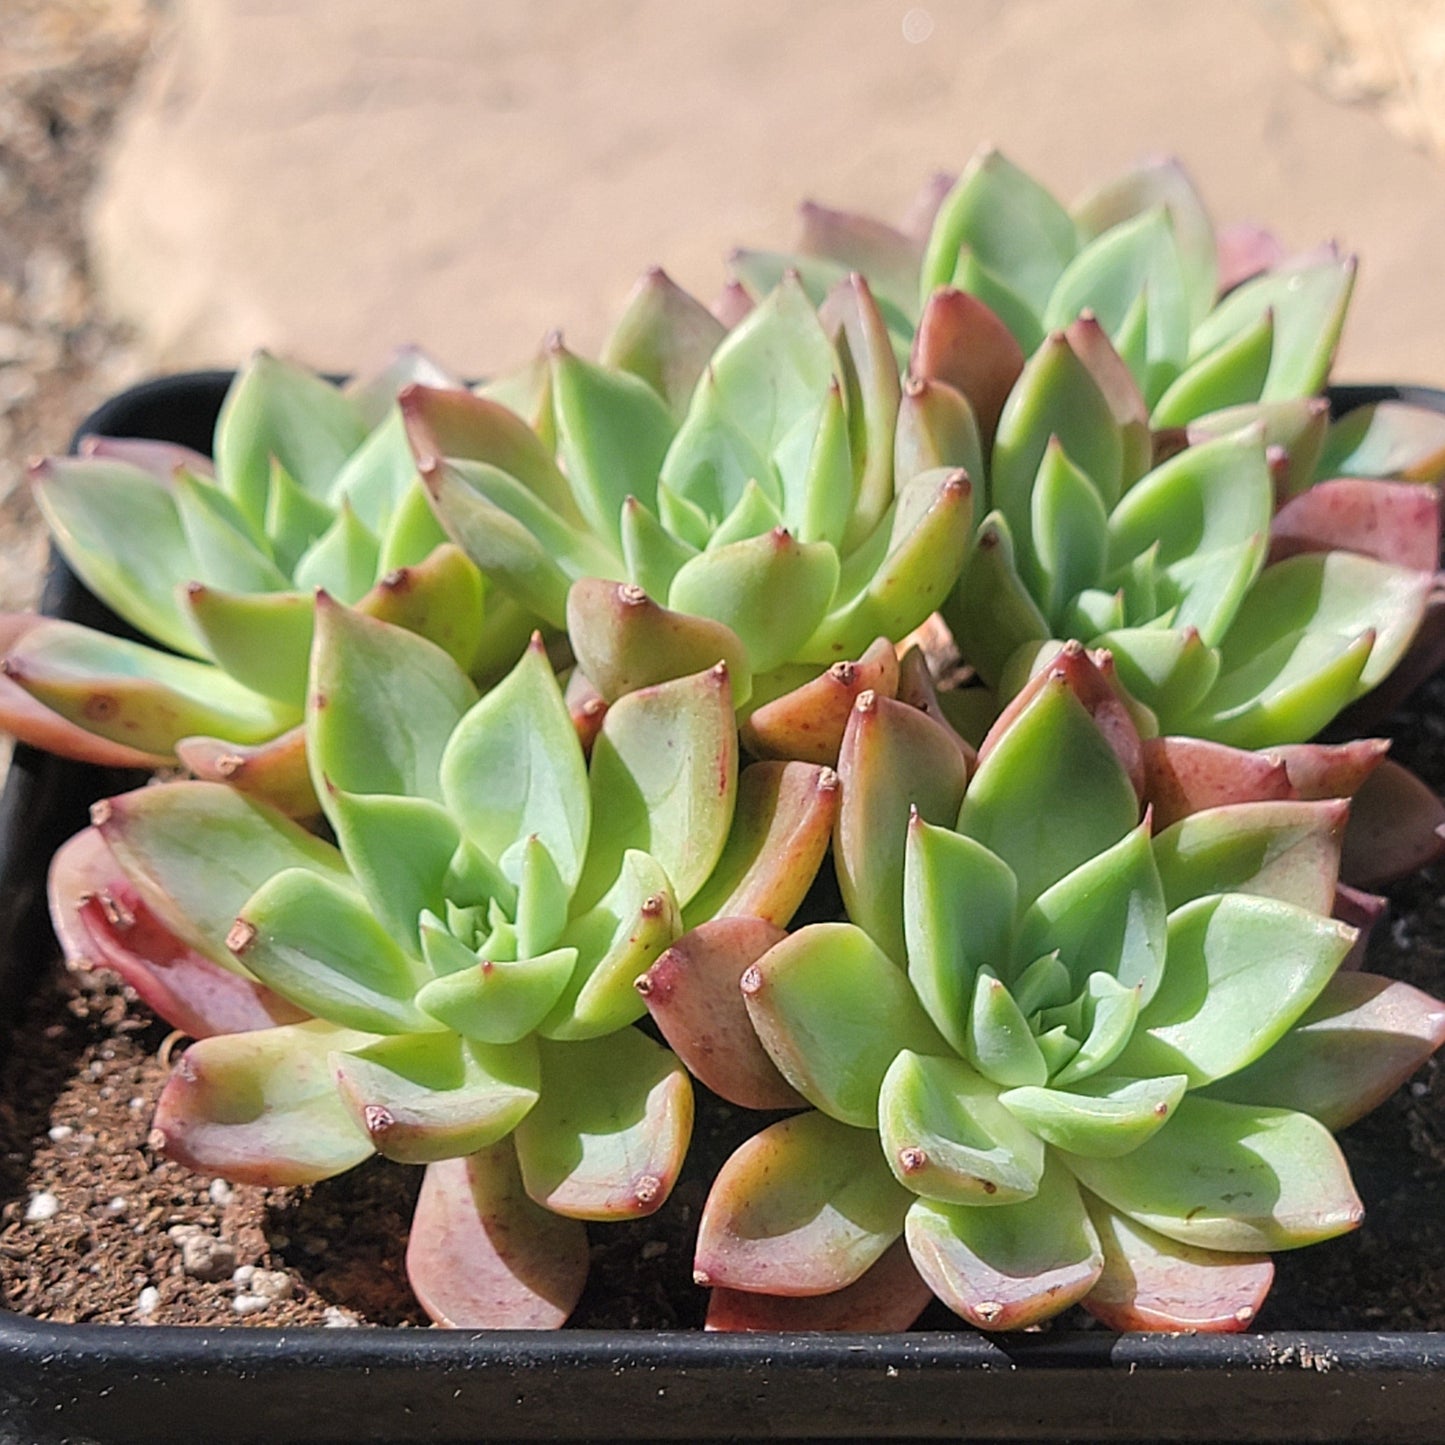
329, 177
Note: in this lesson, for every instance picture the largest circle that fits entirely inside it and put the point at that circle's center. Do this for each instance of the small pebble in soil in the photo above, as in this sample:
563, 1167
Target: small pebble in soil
147, 1301
337, 1318
205, 1257
272, 1284
220, 1193
59, 1132
42, 1206
250, 1304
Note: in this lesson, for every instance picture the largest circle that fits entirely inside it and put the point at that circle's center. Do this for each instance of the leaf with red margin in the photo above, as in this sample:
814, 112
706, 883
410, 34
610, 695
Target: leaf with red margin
888, 1297
1184, 775
1153, 1283
808, 723
782, 825
693, 996
802, 1208
275, 772
482, 1255
261, 1107
100, 919
1396, 522
1397, 825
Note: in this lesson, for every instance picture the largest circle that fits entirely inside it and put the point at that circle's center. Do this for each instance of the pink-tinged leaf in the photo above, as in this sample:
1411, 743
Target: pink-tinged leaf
374, 394
1084, 678
587, 708
1244, 250
1362, 911
782, 825
922, 210
917, 688
607, 1138
28, 720
1331, 770
1008, 1266
262, 1107
1350, 1050
1116, 382
462, 425
1397, 825
886, 1299
1395, 522
160, 459
1153, 1283
936, 428
851, 318
439, 598
888, 257
693, 996
275, 772
625, 641
893, 758
1184, 775
100, 919
961, 341
803, 1208
665, 337
733, 304
808, 722
482, 1255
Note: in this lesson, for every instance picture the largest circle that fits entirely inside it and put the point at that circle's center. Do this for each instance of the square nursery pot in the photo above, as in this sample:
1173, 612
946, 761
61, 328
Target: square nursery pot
122, 1383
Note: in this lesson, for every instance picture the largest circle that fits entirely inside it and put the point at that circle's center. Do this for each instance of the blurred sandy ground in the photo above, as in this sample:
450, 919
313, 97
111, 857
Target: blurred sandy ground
333, 176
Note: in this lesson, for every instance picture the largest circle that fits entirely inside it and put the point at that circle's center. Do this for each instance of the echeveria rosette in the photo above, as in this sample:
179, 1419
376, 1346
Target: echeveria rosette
216, 564
1076, 1063
1003, 258
1235, 609
759, 495
451, 982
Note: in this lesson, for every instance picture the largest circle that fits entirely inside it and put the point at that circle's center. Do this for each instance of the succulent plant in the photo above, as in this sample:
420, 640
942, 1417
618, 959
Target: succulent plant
761, 494
451, 982
216, 565
1201, 321
1057, 1056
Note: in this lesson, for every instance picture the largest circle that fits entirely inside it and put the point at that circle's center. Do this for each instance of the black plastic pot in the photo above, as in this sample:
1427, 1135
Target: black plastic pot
115, 1383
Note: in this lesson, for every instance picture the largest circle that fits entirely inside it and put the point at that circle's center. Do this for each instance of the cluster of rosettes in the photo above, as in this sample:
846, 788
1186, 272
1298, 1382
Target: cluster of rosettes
957, 567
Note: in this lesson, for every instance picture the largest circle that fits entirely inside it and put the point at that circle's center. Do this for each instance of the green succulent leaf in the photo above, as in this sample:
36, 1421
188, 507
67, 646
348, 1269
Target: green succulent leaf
708, 467
947, 1137
607, 1137
613, 431
119, 528
1308, 301
1230, 1177
1107, 915
279, 410
262, 639
663, 780
294, 518
424, 1097
221, 540
771, 590
652, 555
617, 941
1051, 794
1169, 670
399, 851
1280, 849
893, 758
410, 532
1241, 970
197, 851
991, 613
833, 1010
496, 1001
316, 942
137, 695
383, 704
1108, 1011
1103, 1118
1233, 374
1007, 1268
513, 767
804, 1207
1009, 222
1351, 1049
262, 1107
959, 904
999, 1042
1070, 531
